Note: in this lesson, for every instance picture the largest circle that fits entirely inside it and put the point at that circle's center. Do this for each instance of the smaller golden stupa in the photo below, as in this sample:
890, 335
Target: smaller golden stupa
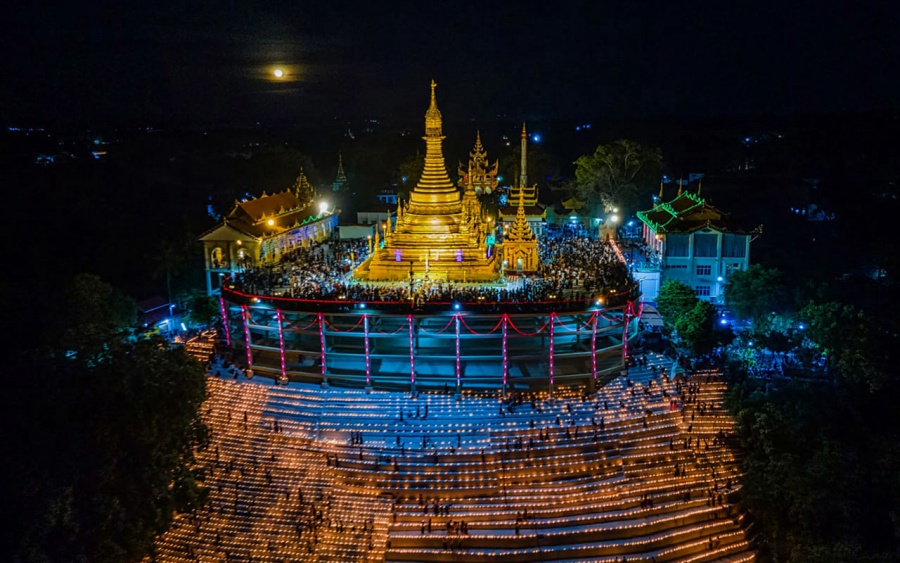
520, 250
437, 237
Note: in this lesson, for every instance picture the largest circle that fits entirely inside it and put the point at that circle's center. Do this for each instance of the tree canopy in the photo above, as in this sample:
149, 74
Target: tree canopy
619, 174
695, 327
755, 292
100, 434
675, 299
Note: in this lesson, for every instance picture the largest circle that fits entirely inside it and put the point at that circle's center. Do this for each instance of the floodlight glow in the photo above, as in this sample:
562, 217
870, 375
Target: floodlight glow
323, 207
278, 73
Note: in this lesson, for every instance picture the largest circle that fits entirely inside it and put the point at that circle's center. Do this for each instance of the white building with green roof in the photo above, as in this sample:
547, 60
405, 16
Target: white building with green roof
693, 242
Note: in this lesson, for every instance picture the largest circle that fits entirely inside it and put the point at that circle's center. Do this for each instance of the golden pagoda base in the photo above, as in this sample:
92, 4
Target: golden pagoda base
483, 271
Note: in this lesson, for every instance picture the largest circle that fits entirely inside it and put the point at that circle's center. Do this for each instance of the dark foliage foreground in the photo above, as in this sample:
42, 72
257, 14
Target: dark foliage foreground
99, 434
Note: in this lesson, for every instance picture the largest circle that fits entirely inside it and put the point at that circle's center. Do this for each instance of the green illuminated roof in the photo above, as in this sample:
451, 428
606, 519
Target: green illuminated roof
686, 213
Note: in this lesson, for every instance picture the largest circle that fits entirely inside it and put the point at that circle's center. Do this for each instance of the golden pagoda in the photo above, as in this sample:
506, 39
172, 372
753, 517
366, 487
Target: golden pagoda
436, 237
520, 252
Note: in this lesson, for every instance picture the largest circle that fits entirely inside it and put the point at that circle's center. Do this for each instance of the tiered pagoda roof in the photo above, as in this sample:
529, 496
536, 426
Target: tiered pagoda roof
520, 229
684, 214
272, 214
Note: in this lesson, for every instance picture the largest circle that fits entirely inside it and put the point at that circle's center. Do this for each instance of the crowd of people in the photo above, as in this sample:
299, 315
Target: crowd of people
572, 269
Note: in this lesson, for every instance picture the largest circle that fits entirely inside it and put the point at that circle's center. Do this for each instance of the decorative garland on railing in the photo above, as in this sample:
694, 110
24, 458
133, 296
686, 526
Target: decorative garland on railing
439, 331
333, 328
492, 331
538, 331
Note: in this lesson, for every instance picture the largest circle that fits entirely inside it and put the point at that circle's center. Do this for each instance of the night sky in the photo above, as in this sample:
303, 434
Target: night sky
210, 61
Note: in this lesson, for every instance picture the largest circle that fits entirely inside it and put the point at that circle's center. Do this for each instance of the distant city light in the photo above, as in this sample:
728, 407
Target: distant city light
723, 322
536, 138
613, 218
631, 224
456, 306
801, 326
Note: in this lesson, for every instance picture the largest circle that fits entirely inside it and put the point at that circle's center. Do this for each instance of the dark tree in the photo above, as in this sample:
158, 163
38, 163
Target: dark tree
696, 327
755, 292
675, 300
101, 429
621, 174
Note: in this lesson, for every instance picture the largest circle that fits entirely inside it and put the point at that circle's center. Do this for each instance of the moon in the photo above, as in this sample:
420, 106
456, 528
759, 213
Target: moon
278, 73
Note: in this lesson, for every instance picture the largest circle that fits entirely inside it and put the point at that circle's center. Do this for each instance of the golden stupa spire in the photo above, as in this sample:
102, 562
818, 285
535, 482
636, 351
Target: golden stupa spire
699, 186
523, 175
680, 182
660, 190
520, 230
434, 186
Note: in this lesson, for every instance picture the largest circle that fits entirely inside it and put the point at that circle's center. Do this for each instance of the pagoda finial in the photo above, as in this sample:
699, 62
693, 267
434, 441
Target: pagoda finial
341, 178
699, 186
340, 170
433, 116
523, 175
660, 190
680, 183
